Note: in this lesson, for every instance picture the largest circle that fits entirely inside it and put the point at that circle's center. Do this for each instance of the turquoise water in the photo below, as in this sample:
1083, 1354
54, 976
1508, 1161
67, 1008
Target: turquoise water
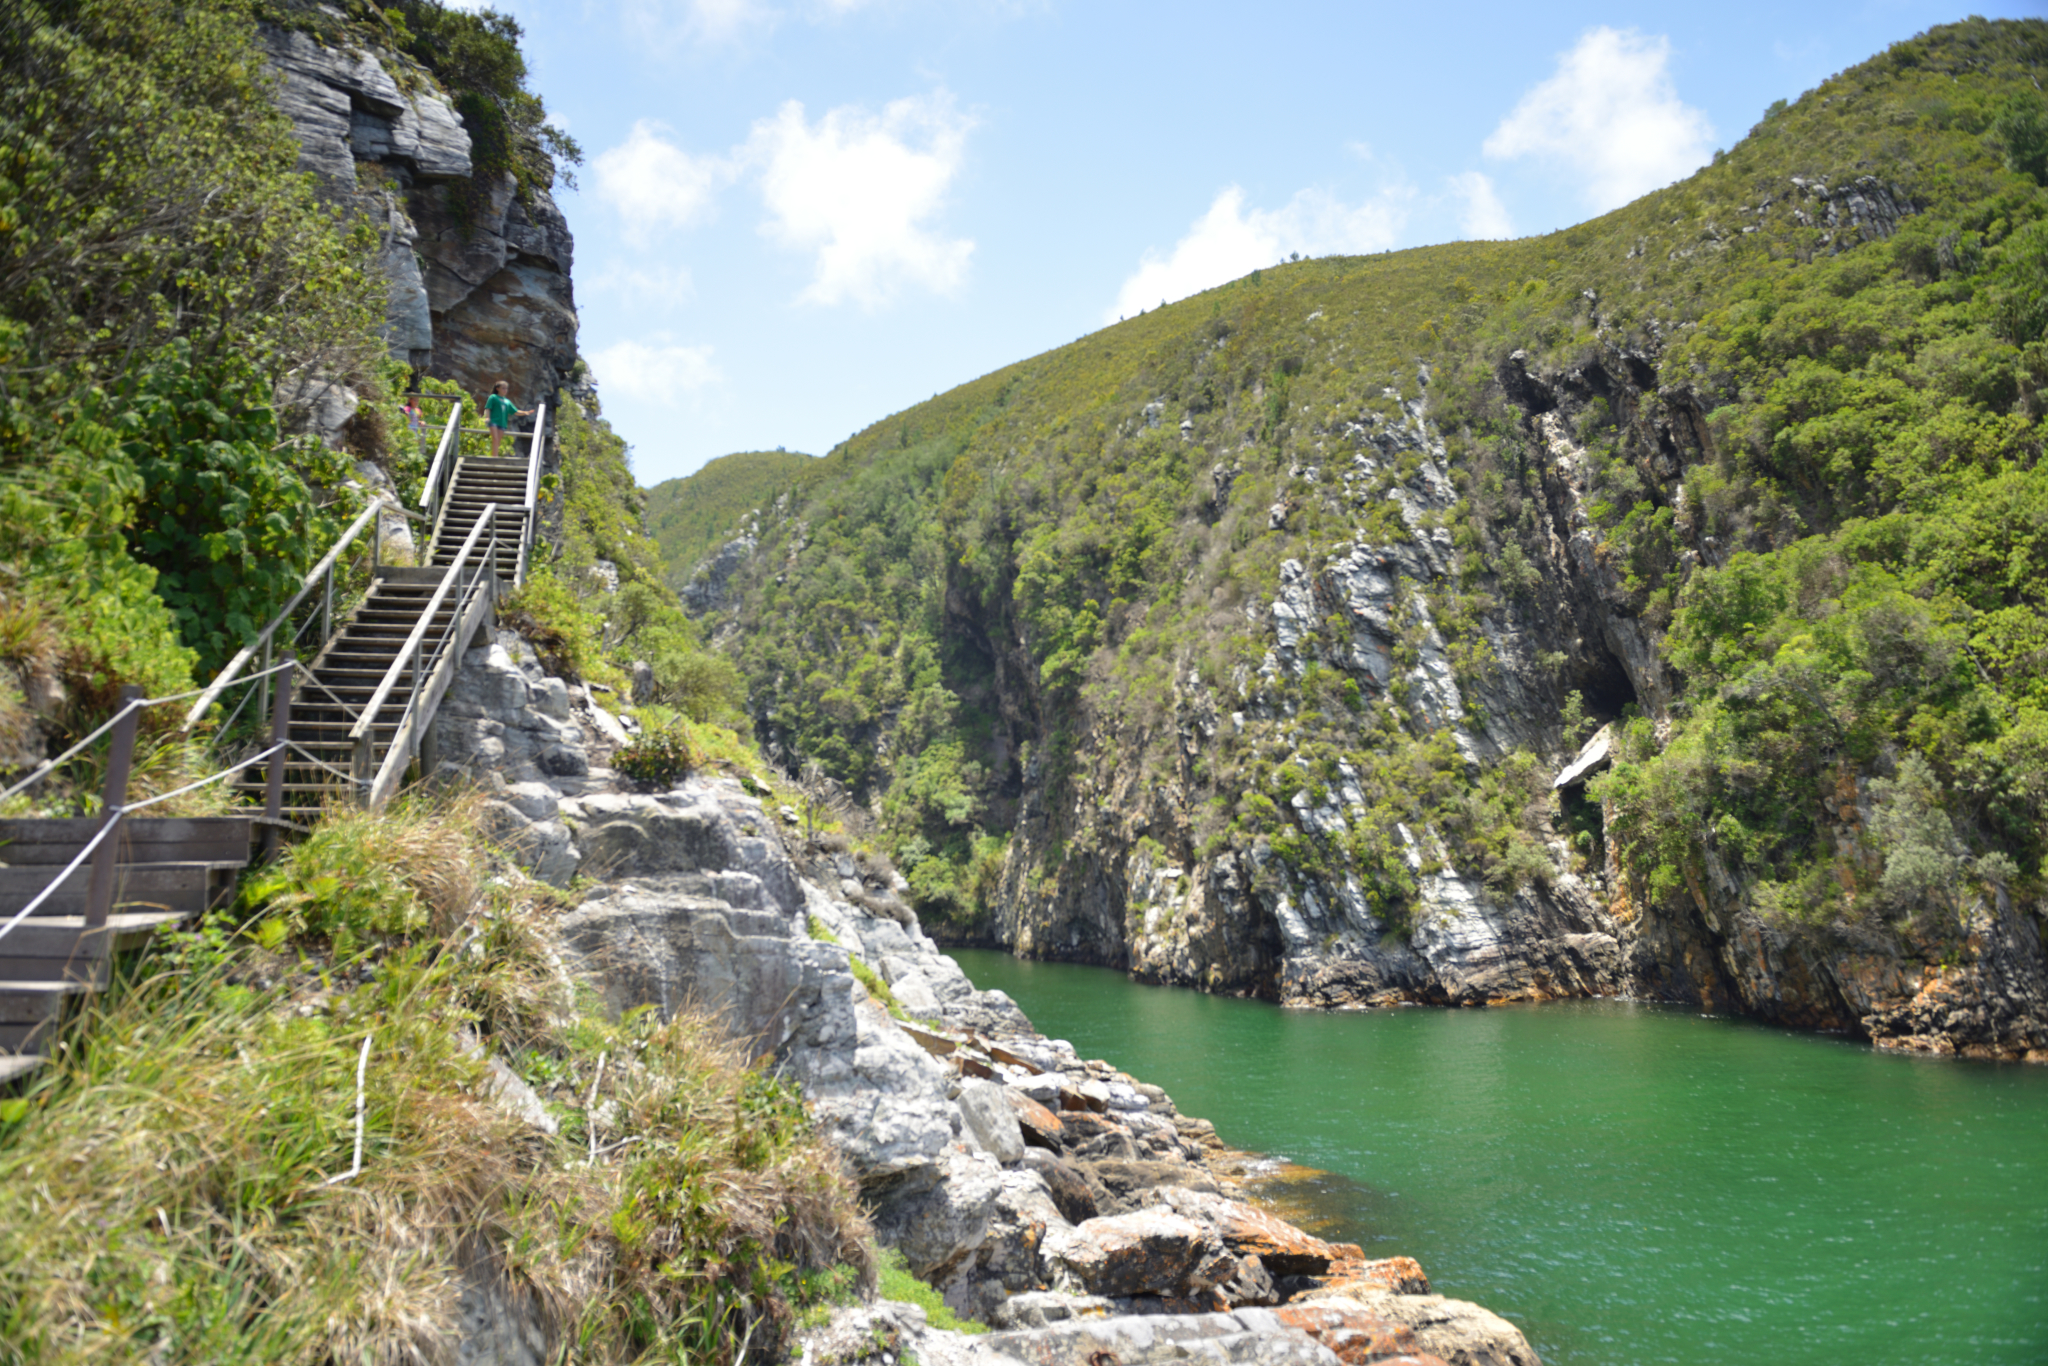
1628, 1184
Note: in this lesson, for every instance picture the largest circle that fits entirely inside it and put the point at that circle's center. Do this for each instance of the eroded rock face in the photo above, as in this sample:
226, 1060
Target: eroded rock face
479, 274
1127, 873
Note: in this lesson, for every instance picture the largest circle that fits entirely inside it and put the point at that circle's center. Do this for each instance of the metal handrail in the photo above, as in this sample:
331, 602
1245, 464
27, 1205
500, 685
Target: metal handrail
451, 439
323, 572
540, 427
373, 786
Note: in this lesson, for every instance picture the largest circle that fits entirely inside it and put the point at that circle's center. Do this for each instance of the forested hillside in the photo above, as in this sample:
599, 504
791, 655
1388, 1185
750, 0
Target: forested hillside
692, 516
1264, 620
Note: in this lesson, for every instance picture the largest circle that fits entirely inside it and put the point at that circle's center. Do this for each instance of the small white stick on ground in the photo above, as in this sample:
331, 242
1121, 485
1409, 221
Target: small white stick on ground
362, 1065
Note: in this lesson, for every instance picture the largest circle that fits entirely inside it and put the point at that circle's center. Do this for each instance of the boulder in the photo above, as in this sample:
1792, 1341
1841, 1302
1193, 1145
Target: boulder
1151, 1252
1039, 1308
975, 1233
1068, 1189
1247, 1338
1370, 1328
1124, 1185
1355, 1274
1089, 1135
992, 1122
1041, 1128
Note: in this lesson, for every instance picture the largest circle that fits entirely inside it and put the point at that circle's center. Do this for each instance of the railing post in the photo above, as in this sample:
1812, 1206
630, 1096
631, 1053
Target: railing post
263, 702
327, 607
362, 767
280, 730
99, 896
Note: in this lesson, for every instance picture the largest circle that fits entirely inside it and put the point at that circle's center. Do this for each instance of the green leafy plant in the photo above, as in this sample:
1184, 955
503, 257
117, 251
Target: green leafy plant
659, 757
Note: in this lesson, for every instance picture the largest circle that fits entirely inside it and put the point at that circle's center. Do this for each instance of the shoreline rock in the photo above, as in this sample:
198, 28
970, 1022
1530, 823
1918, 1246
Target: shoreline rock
1054, 1196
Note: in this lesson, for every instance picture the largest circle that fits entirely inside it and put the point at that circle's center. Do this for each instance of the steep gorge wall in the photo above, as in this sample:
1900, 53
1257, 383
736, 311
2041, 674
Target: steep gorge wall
1115, 859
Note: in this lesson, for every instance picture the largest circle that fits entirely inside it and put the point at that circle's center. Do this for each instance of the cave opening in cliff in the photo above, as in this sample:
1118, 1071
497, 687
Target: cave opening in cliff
1603, 685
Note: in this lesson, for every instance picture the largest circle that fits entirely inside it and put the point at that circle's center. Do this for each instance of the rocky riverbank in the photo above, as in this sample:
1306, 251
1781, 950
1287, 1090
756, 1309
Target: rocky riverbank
1054, 1197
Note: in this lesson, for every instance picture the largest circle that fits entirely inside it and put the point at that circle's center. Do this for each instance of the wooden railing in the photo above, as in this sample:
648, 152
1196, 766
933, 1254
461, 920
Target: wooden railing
104, 845
473, 580
302, 605
533, 455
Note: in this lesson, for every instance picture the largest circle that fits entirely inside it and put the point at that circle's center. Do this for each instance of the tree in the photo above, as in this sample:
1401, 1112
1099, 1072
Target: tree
2022, 130
1927, 863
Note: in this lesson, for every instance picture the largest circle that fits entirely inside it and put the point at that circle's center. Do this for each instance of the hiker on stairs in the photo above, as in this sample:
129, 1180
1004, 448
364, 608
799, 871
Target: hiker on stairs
499, 410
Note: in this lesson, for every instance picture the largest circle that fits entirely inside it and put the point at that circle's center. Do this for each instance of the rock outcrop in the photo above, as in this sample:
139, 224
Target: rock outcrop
1033, 1188
478, 268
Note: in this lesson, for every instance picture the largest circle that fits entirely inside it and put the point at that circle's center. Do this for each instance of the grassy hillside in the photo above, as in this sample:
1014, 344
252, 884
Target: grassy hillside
1817, 484
692, 516
175, 1185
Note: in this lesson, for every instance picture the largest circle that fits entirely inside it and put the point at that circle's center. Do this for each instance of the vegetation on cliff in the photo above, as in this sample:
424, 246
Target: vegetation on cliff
163, 269
692, 516
1812, 475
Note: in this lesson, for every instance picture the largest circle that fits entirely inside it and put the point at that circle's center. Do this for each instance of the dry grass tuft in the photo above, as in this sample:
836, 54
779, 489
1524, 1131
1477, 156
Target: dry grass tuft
165, 1186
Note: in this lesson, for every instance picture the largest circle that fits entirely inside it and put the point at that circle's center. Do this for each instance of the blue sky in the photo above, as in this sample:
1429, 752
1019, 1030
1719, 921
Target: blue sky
799, 216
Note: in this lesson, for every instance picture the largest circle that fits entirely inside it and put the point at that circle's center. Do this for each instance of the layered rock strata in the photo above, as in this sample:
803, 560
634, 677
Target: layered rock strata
478, 268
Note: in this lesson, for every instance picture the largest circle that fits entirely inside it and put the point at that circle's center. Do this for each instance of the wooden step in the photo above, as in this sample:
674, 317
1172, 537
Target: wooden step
61, 948
187, 886
30, 1010
143, 839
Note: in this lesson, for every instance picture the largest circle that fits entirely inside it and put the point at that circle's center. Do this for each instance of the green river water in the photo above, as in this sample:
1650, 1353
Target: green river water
1628, 1184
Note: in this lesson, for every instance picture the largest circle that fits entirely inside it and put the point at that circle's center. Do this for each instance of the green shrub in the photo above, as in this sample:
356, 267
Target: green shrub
662, 757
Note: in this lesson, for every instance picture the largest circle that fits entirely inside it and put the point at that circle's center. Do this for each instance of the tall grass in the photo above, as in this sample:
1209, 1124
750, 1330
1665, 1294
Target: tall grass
166, 1185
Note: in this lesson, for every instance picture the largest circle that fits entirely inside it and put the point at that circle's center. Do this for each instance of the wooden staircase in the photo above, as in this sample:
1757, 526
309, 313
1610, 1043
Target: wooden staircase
165, 872
374, 685
477, 483
362, 714
343, 678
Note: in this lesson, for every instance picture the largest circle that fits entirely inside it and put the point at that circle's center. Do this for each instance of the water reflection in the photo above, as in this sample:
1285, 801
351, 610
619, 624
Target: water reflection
1629, 1183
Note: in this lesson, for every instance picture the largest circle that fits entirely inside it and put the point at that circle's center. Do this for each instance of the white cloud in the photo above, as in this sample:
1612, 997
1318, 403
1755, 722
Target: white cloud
858, 189
658, 284
655, 184
1612, 114
666, 24
661, 373
1485, 217
1227, 242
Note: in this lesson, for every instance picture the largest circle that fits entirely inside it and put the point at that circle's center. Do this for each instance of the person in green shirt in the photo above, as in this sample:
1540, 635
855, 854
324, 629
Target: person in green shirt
499, 410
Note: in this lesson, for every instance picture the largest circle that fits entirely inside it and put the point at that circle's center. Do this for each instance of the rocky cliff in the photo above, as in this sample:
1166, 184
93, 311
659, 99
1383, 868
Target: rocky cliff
1250, 921
479, 269
1057, 1198
1494, 621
